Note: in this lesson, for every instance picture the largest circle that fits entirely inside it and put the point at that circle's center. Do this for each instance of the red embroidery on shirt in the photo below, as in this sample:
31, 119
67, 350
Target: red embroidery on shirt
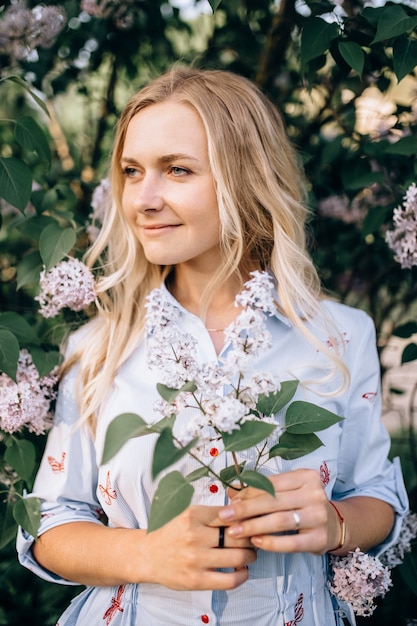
57, 466
108, 492
369, 395
115, 605
342, 340
298, 612
324, 473
46, 515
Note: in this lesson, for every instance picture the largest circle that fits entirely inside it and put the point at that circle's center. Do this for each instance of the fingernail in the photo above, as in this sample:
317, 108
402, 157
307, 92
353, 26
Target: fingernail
226, 514
257, 541
235, 531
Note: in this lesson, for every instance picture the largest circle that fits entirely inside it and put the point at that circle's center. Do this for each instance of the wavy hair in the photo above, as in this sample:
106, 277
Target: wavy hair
260, 192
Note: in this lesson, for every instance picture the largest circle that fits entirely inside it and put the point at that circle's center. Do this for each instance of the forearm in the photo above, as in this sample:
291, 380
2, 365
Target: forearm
91, 554
368, 522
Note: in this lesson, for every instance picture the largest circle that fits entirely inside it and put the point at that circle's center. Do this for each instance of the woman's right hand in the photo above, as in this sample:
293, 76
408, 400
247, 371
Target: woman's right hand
184, 554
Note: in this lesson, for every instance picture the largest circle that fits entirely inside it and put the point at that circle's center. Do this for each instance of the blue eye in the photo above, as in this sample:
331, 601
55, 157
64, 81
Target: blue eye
129, 172
179, 171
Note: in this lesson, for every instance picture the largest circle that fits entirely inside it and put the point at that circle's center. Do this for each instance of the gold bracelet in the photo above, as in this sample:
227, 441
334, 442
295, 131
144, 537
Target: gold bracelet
342, 538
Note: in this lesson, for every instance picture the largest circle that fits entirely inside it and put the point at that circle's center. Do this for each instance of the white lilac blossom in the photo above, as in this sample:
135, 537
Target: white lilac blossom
403, 239
395, 554
23, 30
69, 284
26, 402
226, 391
358, 579
99, 203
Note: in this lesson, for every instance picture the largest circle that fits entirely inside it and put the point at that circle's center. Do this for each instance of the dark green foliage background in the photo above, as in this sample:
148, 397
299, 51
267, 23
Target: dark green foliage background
300, 60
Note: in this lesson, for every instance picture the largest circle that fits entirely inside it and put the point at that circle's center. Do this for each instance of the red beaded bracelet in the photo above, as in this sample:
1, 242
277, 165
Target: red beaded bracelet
342, 527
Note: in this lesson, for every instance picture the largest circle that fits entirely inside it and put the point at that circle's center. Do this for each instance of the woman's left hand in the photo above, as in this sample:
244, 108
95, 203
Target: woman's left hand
300, 504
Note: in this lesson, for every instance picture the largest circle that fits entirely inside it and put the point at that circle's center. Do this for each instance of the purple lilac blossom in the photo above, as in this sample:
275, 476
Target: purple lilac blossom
68, 284
403, 239
26, 402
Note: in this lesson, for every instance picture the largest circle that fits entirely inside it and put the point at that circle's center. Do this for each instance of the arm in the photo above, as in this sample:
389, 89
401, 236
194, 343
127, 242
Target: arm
183, 554
368, 489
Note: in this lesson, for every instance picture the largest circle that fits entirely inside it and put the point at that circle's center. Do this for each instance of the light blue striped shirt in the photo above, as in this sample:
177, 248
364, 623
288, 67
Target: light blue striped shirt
283, 589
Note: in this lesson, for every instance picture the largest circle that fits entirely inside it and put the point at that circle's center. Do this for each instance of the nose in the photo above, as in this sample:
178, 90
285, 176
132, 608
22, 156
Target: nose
149, 193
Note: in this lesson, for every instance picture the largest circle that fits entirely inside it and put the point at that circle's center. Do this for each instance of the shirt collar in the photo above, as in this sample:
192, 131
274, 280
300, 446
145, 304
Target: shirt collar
277, 313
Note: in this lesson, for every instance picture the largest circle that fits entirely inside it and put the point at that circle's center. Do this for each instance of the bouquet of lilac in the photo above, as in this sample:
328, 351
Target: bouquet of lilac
225, 405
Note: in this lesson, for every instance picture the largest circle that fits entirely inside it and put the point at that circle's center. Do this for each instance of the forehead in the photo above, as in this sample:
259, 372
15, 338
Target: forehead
166, 126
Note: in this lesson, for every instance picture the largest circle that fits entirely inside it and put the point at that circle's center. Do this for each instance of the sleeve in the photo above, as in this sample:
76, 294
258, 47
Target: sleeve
66, 482
363, 465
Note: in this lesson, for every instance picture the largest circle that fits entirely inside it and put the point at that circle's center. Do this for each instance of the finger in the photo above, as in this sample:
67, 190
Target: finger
304, 541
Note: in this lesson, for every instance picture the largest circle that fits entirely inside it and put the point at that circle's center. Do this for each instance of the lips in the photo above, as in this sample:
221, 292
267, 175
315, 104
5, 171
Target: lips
151, 230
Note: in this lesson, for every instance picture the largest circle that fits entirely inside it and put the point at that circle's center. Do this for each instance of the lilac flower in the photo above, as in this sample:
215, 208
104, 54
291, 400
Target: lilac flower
358, 579
403, 239
226, 390
395, 554
68, 284
99, 204
26, 402
23, 30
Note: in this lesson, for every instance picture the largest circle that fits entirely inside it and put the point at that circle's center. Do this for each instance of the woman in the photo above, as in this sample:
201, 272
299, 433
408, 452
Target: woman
205, 191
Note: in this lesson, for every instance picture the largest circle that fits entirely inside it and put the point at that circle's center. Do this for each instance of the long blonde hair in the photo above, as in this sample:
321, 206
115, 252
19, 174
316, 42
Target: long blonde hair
262, 214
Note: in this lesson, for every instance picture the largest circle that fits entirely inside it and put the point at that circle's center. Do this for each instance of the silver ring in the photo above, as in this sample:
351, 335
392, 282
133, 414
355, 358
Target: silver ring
297, 520
221, 536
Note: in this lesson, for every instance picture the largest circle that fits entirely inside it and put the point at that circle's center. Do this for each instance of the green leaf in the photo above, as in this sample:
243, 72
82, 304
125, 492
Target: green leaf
274, 402
230, 473
249, 434
259, 481
33, 226
404, 55
21, 455
22, 83
9, 353
124, 427
405, 330
165, 422
358, 174
316, 38
7, 524
173, 496
19, 327
215, 4
409, 353
55, 243
200, 472
31, 136
29, 269
15, 182
374, 219
305, 418
353, 55
408, 570
27, 513
393, 21
292, 446
169, 394
166, 452
406, 146
45, 360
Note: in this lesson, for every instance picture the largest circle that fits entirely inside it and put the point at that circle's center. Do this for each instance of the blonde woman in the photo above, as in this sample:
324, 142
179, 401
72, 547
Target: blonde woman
206, 190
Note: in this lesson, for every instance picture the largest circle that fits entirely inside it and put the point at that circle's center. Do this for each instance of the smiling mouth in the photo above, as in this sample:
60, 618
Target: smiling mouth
159, 228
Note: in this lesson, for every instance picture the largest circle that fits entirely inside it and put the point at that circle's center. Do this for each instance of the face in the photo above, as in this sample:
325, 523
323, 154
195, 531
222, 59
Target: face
169, 197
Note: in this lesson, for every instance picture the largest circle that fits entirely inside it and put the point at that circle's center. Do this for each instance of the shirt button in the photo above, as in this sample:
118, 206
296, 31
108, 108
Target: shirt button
205, 619
213, 488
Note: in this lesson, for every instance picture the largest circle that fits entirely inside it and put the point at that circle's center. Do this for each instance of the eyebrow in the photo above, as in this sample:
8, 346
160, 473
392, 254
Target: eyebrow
166, 158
